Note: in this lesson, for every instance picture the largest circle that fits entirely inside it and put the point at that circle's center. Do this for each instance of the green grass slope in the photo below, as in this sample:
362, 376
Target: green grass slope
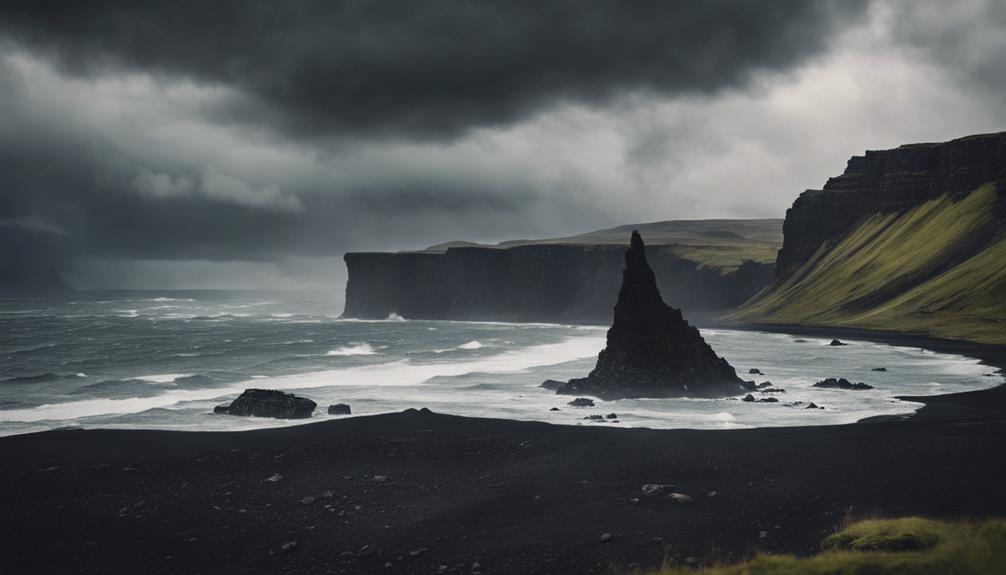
724, 244
938, 269
908, 546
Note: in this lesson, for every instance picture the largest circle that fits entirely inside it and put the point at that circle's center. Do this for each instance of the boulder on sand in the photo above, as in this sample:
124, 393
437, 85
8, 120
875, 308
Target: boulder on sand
651, 350
269, 403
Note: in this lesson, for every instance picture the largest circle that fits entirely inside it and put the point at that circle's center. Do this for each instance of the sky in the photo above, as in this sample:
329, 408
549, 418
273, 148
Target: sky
241, 143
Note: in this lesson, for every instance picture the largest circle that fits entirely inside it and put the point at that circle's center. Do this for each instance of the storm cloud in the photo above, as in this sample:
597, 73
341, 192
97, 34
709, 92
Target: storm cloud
426, 69
245, 143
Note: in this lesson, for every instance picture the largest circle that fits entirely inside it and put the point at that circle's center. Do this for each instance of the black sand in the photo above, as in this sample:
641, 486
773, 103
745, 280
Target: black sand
514, 497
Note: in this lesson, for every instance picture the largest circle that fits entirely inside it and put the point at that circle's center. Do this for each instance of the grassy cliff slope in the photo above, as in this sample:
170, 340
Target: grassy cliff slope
937, 269
723, 244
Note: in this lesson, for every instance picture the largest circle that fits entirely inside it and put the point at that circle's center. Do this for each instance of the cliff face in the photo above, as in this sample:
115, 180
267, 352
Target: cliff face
911, 239
885, 182
538, 282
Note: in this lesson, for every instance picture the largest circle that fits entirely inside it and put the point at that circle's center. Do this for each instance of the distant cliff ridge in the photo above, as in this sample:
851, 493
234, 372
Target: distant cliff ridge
911, 239
701, 265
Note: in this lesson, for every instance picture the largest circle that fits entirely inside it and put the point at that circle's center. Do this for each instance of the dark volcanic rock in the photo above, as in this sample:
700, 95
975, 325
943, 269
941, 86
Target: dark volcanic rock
539, 282
582, 402
749, 398
755, 371
651, 350
879, 369
832, 383
269, 403
885, 182
837, 343
551, 384
339, 409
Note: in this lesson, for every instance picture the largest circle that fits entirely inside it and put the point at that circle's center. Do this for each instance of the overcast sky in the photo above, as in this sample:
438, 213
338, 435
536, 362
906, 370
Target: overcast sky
250, 144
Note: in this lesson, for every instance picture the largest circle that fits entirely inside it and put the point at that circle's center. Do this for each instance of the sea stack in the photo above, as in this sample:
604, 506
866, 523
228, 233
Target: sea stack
651, 350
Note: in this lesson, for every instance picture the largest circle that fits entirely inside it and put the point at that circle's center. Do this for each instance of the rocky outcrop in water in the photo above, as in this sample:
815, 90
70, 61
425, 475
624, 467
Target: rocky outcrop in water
651, 350
887, 181
269, 403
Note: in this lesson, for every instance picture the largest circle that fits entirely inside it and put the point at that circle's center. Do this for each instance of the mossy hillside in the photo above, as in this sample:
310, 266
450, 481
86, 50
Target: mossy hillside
932, 270
907, 546
721, 244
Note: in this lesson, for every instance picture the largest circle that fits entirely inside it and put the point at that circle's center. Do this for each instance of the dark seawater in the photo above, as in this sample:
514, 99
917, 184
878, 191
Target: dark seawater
164, 359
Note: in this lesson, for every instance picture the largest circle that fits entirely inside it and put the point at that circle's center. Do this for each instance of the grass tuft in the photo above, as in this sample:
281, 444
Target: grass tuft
906, 546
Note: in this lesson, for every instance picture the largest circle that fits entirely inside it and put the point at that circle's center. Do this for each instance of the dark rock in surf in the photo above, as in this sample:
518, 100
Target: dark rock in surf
612, 416
651, 350
837, 343
582, 402
269, 403
768, 400
879, 369
339, 409
749, 398
595, 417
842, 383
755, 371
551, 384
813, 405
221, 409
554, 409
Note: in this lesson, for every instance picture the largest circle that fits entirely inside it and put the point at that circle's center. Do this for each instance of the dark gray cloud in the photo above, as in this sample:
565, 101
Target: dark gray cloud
428, 69
226, 143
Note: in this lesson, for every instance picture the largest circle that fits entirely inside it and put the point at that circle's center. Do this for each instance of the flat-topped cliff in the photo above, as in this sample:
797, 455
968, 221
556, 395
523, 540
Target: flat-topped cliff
911, 239
884, 182
700, 265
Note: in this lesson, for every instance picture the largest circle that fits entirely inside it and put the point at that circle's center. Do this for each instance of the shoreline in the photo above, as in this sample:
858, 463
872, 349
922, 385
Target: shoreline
420, 492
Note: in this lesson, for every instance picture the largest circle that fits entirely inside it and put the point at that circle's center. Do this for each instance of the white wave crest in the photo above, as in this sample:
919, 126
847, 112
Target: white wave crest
354, 349
473, 344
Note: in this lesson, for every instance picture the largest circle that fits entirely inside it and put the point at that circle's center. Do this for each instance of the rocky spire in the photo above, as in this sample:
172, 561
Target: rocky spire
651, 350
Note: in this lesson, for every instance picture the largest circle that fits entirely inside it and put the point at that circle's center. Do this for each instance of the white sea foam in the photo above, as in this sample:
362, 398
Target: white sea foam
353, 349
163, 377
473, 344
398, 374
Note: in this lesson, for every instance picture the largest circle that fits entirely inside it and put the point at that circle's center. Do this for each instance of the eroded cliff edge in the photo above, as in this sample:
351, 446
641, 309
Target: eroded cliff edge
911, 239
712, 265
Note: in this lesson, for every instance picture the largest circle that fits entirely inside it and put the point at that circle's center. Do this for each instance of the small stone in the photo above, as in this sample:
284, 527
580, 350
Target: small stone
611, 416
307, 500
418, 552
328, 495
762, 534
380, 478
657, 488
679, 498
339, 409
476, 566
634, 501
274, 478
605, 537
711, 494
288, 546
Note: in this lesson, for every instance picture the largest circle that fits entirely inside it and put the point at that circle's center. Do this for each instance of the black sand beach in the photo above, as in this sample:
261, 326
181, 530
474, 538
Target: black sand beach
417, 492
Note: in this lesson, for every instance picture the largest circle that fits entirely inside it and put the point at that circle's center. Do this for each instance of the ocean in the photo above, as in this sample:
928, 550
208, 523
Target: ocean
163, 360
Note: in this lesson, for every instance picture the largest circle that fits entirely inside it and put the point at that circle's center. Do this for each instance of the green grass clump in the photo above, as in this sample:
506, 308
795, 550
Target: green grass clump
919, 271
907, 546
